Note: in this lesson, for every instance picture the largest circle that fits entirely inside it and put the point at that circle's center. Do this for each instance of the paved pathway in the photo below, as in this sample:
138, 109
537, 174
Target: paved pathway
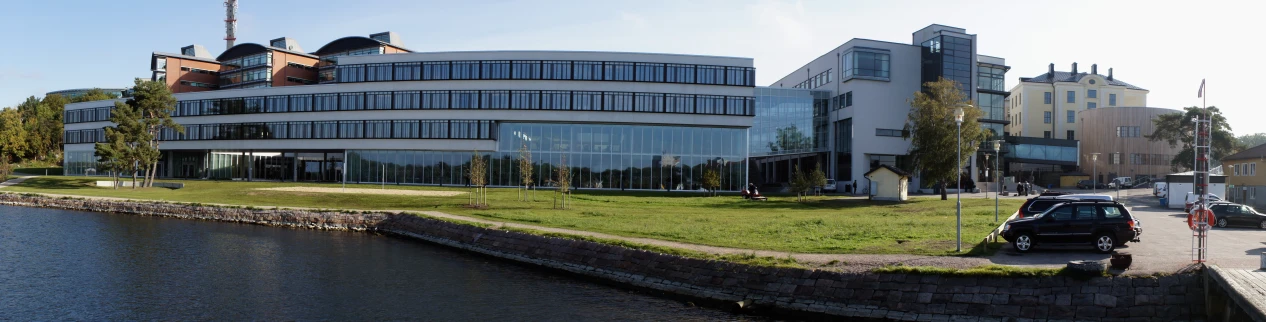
14, 181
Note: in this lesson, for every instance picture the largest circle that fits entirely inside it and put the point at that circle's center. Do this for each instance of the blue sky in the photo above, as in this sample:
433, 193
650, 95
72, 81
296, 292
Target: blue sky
1166, 48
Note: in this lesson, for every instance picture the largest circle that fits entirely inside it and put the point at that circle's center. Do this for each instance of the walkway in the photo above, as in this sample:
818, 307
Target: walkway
1246, 290
14, 181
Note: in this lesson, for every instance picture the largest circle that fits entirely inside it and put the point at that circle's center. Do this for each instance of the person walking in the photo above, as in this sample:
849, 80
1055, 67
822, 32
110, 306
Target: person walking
854, 186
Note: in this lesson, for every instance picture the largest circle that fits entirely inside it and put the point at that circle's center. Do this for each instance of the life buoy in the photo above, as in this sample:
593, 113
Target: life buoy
1195, 217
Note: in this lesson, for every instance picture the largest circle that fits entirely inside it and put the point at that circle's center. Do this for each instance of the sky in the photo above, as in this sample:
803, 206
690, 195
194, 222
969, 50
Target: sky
1165, 47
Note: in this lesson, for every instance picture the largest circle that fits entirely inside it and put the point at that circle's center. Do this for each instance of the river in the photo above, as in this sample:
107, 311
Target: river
73, 265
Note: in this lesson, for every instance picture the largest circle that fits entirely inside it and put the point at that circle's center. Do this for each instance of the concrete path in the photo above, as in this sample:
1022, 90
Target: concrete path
14, 181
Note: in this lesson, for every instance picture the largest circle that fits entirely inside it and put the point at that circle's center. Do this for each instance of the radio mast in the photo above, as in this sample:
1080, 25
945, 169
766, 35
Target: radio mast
230, 23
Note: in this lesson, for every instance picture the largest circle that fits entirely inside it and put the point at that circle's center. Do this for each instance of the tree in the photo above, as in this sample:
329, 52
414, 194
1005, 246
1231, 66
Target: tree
933, 132
112, 155
800, 183
131, 138
711, 179
14, 143
1251, 140
478, 174
525, 170
1173, 128
95, 94
790, 139
563, 183
31, 111
154, 102
50, 122
817, 178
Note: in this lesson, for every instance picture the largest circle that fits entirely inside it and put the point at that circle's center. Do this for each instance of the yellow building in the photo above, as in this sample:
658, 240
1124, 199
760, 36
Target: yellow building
888, 183
1244, 184
1046, 106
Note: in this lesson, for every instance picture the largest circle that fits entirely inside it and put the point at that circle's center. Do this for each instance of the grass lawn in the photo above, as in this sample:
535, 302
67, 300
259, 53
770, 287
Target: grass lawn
822, 225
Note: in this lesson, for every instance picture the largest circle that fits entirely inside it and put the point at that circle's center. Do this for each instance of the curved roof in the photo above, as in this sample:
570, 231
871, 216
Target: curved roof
350, 43
241, 50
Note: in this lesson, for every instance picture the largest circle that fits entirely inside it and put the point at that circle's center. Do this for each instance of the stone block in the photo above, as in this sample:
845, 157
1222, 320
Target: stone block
1105, 300
1090, 312
941, 298
1062, 312
1083, 299
1010, 311
924, 298
1001, 299
1177, 289
927, 288
982, 298
987, 290
1175, 300
956, 308
962, 298
1063, 300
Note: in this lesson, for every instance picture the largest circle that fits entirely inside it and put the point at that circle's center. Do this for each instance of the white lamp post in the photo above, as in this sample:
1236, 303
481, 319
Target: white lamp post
997, 150
958, 120
1094, 175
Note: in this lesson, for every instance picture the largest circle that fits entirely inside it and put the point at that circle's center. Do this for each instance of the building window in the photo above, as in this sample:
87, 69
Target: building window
1128, 131
848, 99
618, 71
1072, 117
1048, 97
496, 70
1046, 134
526, 70
888, 132
1071, 135
1090, 93
866, 64
1112, 99
1046, 117
1091, 105
1072, 97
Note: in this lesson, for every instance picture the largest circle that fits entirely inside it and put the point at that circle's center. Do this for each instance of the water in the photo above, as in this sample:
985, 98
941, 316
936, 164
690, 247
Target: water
71, 265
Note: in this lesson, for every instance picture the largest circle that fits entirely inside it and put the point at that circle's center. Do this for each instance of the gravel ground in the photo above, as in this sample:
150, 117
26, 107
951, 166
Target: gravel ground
424, 193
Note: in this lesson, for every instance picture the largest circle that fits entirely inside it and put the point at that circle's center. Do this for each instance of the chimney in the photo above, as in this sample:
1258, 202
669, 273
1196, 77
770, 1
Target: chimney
1074, 68
1094, 69
1109, 73
1051, 71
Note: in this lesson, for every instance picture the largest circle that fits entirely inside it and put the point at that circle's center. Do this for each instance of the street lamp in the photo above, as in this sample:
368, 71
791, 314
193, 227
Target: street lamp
958, 120
1094, 179
997, 150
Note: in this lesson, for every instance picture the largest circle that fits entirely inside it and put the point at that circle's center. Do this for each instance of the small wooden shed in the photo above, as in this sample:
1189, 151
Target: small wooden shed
890, 183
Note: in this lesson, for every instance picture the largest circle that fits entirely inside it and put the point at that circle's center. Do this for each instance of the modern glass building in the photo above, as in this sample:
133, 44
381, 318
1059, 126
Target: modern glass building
790, 129
617, 120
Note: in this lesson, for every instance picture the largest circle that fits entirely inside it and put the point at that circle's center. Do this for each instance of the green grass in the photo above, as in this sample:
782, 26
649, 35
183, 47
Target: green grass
821, 225
750, 259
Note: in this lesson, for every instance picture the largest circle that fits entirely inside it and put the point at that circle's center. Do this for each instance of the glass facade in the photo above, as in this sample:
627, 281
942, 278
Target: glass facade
867, 63
600, 157
790, 121
1045, 152
991, 105
991, 77
949, 57
547, 70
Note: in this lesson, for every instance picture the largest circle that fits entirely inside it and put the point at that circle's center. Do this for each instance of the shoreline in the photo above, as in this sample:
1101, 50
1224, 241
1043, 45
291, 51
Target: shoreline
780, 291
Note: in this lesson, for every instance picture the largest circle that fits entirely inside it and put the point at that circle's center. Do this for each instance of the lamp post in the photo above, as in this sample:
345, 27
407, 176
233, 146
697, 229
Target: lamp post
1094, 172
958, 120
997, 149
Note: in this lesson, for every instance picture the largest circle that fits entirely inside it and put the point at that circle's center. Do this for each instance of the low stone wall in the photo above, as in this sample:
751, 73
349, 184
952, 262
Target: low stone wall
788, 290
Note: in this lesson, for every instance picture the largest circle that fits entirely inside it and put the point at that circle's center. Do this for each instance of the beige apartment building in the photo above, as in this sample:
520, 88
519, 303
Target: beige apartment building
1046, 106
1243, 183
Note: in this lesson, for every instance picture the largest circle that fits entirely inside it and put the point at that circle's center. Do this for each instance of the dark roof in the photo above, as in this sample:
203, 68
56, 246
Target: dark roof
246, 49
203, 59
350, 43
890, 168
1250, 153
1073, 78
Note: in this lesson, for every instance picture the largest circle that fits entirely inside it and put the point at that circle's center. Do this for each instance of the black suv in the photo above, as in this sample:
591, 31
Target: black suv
1037, 205
1103, 224
1086, 184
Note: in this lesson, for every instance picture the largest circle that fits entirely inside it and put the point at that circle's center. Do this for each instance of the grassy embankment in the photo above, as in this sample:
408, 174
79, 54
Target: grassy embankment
822, 225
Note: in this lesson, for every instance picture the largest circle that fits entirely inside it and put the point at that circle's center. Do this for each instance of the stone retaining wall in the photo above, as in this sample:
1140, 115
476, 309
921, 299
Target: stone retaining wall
787, 290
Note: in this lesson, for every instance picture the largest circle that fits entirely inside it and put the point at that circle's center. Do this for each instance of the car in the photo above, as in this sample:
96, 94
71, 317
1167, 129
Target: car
829, 186
1191, 198
1105, 225
1123, 182
1233, 214
1087, 184
1161, 189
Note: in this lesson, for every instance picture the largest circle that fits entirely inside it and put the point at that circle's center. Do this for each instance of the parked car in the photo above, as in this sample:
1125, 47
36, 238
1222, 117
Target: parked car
1192, 198
830, 186
1105, 225
1123, 182
1041, 203
1161, 190
1086, 184
1233, 214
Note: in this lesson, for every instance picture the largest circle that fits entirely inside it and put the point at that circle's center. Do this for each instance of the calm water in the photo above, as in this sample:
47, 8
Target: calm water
59, 265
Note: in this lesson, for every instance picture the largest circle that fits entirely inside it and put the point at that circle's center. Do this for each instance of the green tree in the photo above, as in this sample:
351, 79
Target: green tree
800, 183
525, 170
478, 174
131, 137
933, 132
50, 123
155, 103
564, 184
1174, 129
711, 179
1251, 140
31, 112
14, 143
95, 94
817, 178
112, 155
790, 139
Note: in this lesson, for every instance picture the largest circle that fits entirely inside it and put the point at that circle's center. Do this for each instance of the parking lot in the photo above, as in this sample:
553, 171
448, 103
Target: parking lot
1166, 244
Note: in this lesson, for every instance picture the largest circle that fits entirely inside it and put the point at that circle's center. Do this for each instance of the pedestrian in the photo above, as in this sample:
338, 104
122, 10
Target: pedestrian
854, 186
1019, 189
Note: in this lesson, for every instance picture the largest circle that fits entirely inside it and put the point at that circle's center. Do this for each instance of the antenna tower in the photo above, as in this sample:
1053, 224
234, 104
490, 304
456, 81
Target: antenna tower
230, 23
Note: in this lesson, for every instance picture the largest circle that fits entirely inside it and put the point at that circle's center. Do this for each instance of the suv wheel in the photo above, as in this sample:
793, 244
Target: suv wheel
1023, 243
1262, 224
1105, 243
1221, 222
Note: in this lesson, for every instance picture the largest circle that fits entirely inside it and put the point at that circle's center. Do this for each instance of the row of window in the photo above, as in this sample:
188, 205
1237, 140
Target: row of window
198, 70
248, 61
1128, 131
1244, 169
545, 70
888, 132
377, 129
1150, 159
98, 114
816, 81
262, 74
197, 84
1072, 98
865, 64
843, 100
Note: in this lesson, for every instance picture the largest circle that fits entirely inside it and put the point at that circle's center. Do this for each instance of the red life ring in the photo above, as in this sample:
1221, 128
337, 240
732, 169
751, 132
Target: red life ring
1195, 217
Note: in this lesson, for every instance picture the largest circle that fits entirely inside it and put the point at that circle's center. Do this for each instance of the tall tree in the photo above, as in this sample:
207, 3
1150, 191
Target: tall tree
95, 94
478, 174
32, 111
818, 178
154, 102
1251, 140
800, 183
525, 170
14, 143
132, 137
112, 154
933, 132
711, 179
50, 123
1174, 129
564, 184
